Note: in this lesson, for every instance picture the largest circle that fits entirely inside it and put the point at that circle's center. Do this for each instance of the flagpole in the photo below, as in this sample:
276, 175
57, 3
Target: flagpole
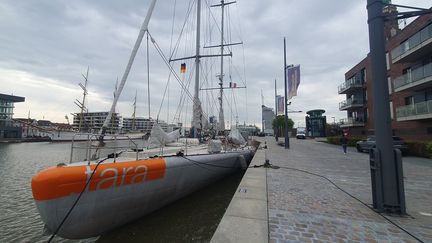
287, 145
276, 111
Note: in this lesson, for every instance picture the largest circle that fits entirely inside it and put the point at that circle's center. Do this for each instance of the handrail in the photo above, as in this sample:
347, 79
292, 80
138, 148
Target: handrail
93, 138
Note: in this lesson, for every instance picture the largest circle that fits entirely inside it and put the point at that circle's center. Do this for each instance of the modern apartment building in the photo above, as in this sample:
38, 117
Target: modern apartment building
142, 124
93, 121
7, 127
409, 69
268, 116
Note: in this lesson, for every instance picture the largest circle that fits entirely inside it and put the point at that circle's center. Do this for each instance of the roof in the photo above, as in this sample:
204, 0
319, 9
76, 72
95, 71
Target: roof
11, 98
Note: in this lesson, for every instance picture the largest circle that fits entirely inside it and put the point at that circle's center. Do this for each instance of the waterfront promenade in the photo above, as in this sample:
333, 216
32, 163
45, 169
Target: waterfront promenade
303, 207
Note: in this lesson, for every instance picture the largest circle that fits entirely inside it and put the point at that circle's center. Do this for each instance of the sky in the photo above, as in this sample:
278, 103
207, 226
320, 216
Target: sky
46, 46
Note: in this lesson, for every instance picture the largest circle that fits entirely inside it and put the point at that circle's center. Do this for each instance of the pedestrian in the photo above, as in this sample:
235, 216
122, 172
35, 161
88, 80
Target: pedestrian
344, 141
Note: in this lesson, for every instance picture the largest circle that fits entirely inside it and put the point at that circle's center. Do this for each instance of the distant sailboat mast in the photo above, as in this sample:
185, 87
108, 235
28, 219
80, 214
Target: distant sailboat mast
222, 4
81, 104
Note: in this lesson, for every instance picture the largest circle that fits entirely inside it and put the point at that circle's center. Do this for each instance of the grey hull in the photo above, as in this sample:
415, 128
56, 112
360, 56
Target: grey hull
102, 210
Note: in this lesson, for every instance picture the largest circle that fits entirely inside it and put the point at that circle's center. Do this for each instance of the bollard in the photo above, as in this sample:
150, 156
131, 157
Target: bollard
266, 155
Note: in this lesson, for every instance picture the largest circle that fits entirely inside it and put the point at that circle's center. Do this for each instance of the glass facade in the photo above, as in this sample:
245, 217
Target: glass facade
7, 127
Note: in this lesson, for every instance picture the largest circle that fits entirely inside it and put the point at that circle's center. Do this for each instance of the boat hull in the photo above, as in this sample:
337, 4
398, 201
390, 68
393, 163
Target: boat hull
118, 193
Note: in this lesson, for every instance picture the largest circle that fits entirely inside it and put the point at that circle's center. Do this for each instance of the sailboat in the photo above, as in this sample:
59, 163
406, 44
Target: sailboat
87, 198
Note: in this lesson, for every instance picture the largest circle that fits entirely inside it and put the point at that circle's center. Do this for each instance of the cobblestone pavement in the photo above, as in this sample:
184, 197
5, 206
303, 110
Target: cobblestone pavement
308, 208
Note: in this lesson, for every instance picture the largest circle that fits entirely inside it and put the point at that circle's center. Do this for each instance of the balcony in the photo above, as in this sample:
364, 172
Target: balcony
415, 47
351, 122
350, 103
418, 111
418, 78
349, 85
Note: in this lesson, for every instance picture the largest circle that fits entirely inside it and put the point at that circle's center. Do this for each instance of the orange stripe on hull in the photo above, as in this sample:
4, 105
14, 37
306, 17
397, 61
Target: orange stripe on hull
56, 182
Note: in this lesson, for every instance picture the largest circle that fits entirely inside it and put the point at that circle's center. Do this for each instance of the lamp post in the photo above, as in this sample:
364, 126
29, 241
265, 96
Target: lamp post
334, 120
287, 145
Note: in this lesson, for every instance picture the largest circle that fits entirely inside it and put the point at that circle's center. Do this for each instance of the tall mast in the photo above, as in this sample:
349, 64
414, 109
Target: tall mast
221, 75
196, 119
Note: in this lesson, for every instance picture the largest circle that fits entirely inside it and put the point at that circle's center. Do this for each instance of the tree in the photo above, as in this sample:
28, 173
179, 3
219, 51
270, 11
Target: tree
279, 125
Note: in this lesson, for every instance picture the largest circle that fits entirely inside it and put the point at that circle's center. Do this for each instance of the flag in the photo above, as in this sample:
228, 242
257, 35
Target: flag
232, 85
293, 79
183, 68
280, 105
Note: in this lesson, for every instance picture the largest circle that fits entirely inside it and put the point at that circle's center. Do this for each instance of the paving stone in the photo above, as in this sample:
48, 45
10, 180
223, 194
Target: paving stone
310, 209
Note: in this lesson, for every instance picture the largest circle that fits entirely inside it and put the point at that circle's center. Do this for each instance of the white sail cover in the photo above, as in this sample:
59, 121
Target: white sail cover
236, 137
159, 137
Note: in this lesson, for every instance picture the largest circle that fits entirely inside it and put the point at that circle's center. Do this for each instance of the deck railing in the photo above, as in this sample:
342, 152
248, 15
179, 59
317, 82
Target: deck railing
92, 148
421, 108
414, 76
412, 42
350, 102
350, 83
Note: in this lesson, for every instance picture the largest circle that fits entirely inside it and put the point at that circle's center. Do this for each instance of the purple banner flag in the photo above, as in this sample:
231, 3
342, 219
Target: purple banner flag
280, 105
293, 79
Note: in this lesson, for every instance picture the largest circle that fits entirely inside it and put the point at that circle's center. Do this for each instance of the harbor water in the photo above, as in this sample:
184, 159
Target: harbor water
191, 219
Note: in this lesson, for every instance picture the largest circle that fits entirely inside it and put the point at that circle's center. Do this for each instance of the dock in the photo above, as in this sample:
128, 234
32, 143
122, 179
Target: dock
313, 192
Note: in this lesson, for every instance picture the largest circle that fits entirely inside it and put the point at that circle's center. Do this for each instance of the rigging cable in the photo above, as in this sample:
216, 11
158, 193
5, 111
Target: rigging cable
170, 50
76, 201
160, 52
148, 74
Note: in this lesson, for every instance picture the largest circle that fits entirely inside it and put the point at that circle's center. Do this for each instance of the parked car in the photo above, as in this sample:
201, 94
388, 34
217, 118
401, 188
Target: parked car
301, 135
369, 143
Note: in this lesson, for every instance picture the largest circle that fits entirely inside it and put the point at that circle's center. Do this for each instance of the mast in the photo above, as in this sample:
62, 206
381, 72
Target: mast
198, 120
222, 4
221, 112
197, 113
81, 104
143, 30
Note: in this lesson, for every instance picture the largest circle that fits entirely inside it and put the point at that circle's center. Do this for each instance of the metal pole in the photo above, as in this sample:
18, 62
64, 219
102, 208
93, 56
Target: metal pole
221, 112
148, 76
276, 111
287, 145
381, 106
143, 30
197, 103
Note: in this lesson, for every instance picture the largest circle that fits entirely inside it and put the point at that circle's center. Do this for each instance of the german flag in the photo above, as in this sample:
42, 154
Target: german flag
183, 68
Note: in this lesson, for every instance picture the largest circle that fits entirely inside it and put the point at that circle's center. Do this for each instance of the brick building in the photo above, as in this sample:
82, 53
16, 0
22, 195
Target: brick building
409, 69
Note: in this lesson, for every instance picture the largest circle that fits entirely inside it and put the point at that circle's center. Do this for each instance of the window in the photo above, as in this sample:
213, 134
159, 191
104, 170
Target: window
390, 87
391, 110
407, 74
409, 100
388, 60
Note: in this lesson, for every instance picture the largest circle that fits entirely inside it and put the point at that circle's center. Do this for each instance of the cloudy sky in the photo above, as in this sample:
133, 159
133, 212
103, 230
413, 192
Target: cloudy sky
46, 46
